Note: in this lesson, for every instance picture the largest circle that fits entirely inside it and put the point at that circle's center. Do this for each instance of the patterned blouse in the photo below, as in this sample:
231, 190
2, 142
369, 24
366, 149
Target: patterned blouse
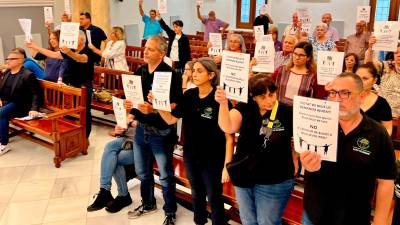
390, 87
326, 46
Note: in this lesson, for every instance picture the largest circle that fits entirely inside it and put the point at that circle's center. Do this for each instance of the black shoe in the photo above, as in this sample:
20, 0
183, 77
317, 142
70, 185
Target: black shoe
119, 203
169, 219
141, 210
103, 198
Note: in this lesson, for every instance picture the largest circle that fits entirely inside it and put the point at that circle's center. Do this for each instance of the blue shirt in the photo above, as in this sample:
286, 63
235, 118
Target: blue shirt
151, 27
54, 67
34, 68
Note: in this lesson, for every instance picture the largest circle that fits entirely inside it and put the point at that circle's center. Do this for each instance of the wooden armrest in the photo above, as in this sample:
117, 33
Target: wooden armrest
65, 112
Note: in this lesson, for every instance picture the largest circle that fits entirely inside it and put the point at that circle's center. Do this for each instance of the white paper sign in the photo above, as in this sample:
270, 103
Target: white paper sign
89, 36
48, 15
329, 65
387, 34
133, 89
168, 61
258, 32
216, 44
119, 112
265, 56
305, 19
315, 126
235, 75
67, 7
199, 2
69, 35
162, 6
263, 10
26, 25
267, 37
363, 13
161, 88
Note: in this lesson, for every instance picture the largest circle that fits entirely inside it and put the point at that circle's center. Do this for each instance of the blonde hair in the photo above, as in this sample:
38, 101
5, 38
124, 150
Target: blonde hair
119, 33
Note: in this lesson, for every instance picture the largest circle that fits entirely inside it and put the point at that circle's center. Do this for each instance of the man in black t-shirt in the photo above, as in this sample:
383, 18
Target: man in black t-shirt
340, 193
264, 20
154, 137
97, 34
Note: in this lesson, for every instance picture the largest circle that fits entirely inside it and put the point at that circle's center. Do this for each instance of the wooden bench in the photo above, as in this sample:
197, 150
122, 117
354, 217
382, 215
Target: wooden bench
134, 63
63, 129
198, 43
198, 51
134, 51
108, 79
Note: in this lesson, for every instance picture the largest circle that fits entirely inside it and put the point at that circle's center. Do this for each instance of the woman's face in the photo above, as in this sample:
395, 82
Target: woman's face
234, 44
320, 32
113, 37
200, 75
265, 101
350, 61
299, 57
367, 78
274, 36
187, 71
54, 41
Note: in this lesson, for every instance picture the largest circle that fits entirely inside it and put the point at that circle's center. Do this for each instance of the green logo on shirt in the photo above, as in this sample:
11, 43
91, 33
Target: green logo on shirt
362, 146
207, 113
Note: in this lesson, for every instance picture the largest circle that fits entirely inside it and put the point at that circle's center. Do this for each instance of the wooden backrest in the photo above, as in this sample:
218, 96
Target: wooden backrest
199, 50
134, 51
198, 43
194, 37
134, 63
340, 45
108, 78
59, 97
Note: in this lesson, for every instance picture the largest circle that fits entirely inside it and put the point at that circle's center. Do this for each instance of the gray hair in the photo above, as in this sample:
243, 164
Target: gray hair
241, 39
83, 35
323, 25
357, 80
162, 44
210, 66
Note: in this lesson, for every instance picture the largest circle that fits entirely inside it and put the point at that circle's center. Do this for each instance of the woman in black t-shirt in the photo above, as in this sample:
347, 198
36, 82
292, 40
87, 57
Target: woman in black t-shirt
263, 196
204, 142
374, 106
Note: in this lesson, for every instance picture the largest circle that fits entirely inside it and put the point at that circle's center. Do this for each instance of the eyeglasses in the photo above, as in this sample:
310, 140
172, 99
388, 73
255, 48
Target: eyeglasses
343, 94
10, 59
234, 41
299, 55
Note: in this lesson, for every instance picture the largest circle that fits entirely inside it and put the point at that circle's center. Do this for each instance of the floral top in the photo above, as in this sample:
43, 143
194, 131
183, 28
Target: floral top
390, 87
326, 46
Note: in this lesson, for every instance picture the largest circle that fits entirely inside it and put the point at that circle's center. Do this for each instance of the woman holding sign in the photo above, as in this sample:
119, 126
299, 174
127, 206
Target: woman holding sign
234, 43
262, 169
114, 52
205, 145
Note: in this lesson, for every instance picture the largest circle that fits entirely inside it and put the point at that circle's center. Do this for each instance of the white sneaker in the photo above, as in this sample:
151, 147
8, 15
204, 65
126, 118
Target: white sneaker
4, 149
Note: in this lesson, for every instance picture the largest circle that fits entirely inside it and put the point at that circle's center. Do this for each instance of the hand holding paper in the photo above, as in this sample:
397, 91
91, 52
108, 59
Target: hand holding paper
26, 25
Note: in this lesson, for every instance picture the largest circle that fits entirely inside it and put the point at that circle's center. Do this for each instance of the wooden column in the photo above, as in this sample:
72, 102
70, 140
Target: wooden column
101, 14
79, 6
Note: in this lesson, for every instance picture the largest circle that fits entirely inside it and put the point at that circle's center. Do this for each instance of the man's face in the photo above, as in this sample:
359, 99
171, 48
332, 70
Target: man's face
211, 15
344, 91
295, 18
326, 18
359, 28
14, 61
152, 53
83, 21
152, 15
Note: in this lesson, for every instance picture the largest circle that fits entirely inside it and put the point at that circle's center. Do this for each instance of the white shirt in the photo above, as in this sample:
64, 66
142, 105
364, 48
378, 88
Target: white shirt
114, 54
174, 54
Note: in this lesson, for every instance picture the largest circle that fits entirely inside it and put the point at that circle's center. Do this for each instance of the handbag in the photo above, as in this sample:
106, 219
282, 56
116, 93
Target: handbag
240, 170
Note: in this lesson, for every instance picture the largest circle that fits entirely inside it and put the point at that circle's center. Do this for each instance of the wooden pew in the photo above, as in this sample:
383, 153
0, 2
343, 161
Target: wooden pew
134, 51
63, 129
134, 63
198, 51
108, 79
197, 43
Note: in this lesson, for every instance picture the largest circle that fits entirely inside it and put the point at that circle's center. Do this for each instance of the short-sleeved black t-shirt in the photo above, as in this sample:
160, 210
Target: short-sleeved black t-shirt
380, 111
154, 119
78, 73
204, 139
276, 163
341, 193
262, 20
98, 36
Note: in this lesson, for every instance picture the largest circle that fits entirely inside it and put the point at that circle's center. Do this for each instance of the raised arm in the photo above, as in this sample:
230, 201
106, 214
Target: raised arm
198, 13
82, 58
141, 8
46, 52
229, 121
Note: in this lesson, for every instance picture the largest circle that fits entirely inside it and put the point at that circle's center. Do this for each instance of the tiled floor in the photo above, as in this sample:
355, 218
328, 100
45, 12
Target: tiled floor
34, 192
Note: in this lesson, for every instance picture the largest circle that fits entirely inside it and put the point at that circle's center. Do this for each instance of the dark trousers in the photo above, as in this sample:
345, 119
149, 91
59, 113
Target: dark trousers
89, 93
6, 113
205, 181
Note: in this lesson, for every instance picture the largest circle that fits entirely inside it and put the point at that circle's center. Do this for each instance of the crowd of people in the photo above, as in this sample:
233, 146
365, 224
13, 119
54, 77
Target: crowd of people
368, 93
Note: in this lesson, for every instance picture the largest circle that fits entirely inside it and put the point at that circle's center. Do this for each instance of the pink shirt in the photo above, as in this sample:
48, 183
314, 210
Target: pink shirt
212, 26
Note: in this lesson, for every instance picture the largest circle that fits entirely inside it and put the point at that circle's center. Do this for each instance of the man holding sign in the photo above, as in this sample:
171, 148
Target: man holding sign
341, 192
154, 137
97, 35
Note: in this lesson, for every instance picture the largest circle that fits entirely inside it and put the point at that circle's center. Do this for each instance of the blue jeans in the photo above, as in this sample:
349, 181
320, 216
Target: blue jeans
263, 204
112, 165
6, 113
149, 145
89, 93
305, 220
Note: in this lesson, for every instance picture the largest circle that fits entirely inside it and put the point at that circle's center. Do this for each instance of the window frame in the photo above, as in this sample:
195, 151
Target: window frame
252, 14
393, 12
